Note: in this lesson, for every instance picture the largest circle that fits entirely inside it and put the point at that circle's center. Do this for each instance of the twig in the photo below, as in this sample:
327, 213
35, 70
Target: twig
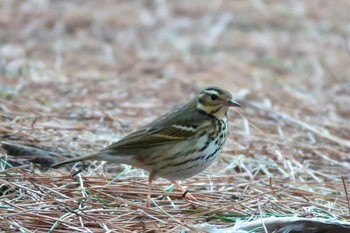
346, 191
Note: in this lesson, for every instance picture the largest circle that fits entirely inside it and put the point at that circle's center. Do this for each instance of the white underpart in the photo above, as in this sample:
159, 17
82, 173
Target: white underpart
195, 166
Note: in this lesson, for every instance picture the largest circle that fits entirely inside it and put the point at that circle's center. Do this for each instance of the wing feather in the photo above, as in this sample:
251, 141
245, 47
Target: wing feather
170, 128
149, 138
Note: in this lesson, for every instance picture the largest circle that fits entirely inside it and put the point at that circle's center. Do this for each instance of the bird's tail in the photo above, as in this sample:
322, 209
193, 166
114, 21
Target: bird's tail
83, 158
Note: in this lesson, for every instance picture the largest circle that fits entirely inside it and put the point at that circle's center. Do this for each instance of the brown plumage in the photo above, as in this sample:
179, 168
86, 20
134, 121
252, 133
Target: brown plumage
179, 144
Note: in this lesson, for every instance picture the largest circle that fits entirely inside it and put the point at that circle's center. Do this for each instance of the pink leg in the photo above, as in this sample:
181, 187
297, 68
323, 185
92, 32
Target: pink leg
148, 201
187, 194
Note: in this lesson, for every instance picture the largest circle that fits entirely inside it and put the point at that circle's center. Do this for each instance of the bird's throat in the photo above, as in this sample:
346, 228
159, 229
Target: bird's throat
216, 111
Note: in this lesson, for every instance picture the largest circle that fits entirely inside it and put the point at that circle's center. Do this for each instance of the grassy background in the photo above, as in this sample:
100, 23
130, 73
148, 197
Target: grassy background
77, 75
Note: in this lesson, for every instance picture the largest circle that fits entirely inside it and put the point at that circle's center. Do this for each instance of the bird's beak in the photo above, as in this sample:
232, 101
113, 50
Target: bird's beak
232, 103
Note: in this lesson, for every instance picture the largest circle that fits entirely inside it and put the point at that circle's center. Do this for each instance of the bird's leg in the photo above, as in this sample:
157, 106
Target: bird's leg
149, 192
185, 192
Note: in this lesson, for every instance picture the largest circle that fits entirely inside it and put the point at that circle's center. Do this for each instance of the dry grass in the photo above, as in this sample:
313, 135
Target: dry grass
76, 76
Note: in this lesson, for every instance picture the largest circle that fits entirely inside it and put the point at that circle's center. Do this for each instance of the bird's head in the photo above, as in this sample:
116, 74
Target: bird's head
215, 101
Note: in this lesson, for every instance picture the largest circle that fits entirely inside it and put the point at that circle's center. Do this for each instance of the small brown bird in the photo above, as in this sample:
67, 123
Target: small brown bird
179, 144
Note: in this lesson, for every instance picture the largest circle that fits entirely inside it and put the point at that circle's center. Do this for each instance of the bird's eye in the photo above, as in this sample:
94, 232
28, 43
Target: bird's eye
214, 97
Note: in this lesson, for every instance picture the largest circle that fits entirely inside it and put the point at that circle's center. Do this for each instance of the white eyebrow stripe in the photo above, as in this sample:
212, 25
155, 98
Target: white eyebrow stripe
210, 92
185, 128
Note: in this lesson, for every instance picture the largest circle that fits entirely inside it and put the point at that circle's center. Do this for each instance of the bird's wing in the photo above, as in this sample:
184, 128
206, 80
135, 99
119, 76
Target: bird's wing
164, 130
152, 137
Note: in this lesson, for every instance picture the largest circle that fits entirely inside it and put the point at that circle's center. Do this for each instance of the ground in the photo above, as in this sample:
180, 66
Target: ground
78, 75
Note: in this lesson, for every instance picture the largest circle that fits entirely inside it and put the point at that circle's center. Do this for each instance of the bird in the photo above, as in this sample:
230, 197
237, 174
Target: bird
178, 144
